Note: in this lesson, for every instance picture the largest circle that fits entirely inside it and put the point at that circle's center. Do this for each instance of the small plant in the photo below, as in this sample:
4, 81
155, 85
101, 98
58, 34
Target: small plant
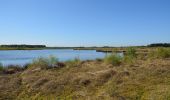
160, 53
113, 59
73, 63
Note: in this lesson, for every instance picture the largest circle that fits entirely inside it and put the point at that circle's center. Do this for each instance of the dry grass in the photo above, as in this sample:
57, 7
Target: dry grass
94, 80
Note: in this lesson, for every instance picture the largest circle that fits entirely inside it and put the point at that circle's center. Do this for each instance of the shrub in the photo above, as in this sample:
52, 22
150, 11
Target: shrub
113, 59
130, 56
52, 60
73, 63
131, 52
45, 63
160, 53
40, 62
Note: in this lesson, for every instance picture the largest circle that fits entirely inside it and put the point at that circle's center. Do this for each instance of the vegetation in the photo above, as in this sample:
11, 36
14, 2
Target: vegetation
160, 53
1, 67
23, 46
99, 49
159, 45
73, 63
131, 52
10, 69
130, 56
113, 59
94, 80
99, 59
45, 63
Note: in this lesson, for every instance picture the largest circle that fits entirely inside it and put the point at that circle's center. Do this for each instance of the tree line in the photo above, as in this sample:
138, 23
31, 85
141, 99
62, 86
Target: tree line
23, 46
159, 45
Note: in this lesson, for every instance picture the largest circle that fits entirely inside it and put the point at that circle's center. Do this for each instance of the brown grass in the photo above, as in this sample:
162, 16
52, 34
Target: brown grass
94, 80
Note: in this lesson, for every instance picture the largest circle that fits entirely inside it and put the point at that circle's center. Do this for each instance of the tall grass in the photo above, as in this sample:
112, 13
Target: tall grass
160, 53
45, 63
131, 52
130, 56
113, 59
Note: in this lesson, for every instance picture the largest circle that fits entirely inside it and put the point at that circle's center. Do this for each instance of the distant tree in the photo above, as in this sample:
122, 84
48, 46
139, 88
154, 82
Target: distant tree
23, 46
159, 45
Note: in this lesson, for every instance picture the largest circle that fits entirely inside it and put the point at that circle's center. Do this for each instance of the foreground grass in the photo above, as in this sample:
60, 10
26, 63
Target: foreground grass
144, 79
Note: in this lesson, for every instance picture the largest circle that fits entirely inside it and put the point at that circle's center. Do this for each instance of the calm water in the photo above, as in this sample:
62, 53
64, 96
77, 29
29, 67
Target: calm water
22, 57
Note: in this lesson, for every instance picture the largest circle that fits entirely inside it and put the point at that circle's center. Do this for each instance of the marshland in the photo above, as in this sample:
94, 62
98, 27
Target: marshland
133, 76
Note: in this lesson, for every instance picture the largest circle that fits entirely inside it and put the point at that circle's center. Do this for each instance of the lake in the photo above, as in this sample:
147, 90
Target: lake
21, 57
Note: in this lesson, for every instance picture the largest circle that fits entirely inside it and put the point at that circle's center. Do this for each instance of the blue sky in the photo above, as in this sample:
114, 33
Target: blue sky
84, 22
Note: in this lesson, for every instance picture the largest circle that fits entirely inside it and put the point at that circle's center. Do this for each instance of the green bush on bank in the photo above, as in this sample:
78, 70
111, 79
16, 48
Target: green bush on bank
131, 52
130, 55
113, 59
45, 63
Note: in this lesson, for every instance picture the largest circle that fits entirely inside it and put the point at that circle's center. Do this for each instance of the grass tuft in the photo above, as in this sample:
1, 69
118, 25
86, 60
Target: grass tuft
45, 63
131, 52
73, 63
130, 56
113, 59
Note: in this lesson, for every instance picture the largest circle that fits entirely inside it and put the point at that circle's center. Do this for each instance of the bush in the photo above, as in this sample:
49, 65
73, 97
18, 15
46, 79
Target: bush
130, 56
131, 52
160, 53
73, 63
52, 60
113, 59
45, 63
40, 62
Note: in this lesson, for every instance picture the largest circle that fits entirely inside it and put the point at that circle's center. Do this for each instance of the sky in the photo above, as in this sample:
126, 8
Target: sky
84, 22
